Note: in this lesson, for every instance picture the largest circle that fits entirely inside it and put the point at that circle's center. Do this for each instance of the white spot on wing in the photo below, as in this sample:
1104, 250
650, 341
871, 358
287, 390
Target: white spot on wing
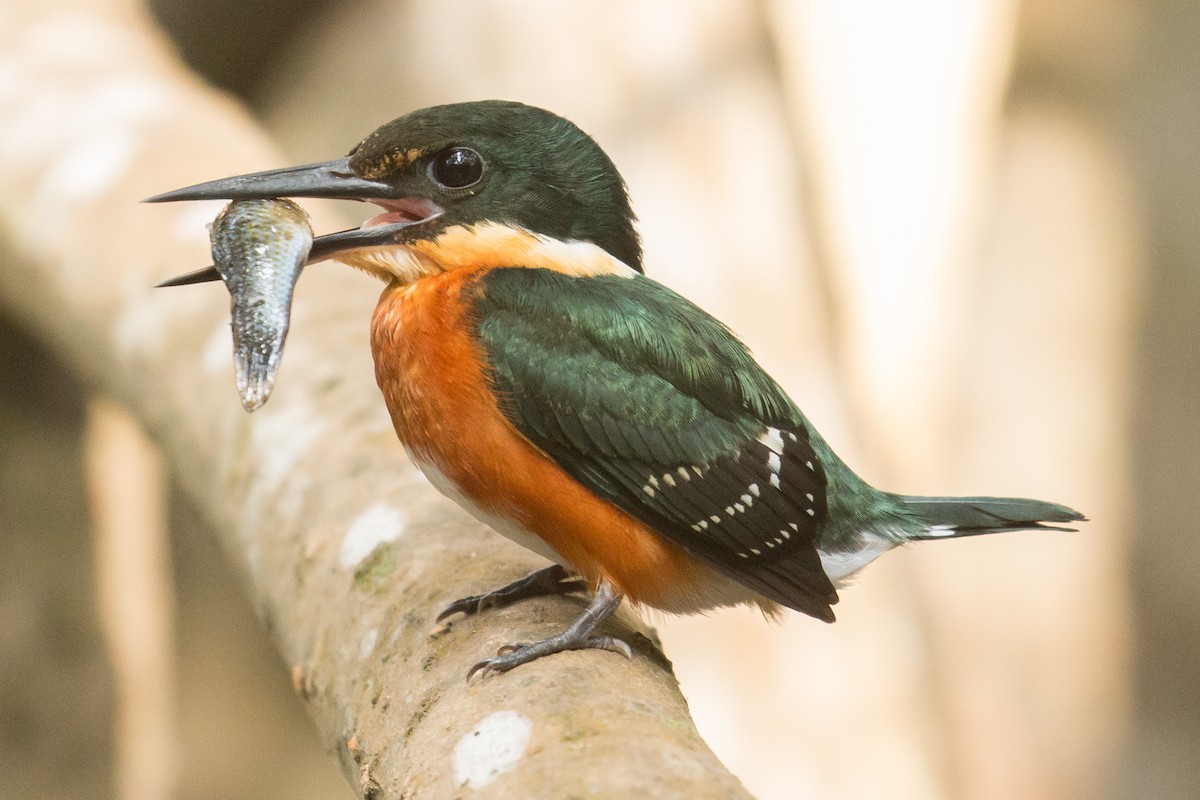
771, 439
491, 749
378, 524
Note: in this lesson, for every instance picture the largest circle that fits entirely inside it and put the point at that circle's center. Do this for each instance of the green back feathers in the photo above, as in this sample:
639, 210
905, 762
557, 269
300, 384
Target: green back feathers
654, 405
667, 358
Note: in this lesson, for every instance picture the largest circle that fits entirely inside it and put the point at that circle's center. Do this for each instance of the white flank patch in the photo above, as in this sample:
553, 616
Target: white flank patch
509, 528
840, 566
378, 524
491, 749
942, 530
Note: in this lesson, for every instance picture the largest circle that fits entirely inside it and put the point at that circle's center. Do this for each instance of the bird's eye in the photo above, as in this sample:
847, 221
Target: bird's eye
456, 168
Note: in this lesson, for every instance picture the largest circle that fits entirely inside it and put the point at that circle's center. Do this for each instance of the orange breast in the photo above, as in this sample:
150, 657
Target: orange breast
432, 374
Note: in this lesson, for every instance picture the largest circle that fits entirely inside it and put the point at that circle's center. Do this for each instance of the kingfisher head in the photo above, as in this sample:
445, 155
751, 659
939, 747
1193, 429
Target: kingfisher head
489, 183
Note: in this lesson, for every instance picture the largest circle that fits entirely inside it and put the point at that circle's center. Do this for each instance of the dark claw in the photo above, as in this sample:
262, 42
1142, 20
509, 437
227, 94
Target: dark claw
466, 605
577, 636
611, 644
552, 580
514, 655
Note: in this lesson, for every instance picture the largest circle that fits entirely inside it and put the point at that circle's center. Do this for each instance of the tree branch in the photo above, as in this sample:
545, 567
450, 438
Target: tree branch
347, 551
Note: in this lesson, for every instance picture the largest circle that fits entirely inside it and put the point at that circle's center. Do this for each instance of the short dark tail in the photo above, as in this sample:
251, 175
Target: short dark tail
971, 516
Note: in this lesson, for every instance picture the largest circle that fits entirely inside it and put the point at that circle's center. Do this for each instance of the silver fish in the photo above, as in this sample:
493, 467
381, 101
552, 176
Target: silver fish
259, 248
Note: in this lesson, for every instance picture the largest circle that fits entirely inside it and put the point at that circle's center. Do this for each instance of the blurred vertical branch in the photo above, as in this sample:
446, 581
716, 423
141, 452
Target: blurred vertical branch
980, 263
1159, 121
56, 694
133, 584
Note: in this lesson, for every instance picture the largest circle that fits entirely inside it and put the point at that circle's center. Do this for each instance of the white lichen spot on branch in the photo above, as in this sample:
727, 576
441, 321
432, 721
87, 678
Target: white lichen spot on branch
378, 524
492, 748
367, 645
283, 433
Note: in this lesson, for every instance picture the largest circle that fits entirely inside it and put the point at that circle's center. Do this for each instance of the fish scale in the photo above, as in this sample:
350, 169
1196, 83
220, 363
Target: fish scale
259, 248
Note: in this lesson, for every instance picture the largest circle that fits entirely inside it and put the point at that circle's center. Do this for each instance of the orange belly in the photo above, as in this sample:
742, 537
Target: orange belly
433, 379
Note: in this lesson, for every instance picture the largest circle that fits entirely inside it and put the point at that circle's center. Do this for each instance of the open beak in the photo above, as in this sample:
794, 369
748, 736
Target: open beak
331, 179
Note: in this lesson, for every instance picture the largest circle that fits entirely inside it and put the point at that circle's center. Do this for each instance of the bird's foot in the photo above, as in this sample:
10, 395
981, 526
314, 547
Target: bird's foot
514, 655
577, 637
552, 580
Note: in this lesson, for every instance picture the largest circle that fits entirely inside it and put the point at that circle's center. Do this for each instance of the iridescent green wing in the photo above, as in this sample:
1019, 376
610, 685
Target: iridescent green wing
653, 404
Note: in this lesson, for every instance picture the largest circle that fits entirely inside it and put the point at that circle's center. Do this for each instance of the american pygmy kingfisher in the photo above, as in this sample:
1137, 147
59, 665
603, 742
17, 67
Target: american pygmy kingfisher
538, 378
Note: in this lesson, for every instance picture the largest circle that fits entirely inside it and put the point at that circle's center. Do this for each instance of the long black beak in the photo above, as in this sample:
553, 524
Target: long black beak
327, 179
324, 247
330, 179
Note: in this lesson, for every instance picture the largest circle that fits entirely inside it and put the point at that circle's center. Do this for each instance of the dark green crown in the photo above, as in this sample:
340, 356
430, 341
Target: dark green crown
540, 172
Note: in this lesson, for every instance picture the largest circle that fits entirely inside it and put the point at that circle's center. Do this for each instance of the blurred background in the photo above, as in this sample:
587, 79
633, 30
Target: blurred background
962, 233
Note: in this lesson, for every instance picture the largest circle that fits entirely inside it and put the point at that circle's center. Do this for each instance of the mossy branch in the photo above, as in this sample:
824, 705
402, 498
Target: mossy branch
347, 551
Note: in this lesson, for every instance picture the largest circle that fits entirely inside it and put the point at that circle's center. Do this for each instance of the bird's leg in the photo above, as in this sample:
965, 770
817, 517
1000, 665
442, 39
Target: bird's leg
550, 580
578, 636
